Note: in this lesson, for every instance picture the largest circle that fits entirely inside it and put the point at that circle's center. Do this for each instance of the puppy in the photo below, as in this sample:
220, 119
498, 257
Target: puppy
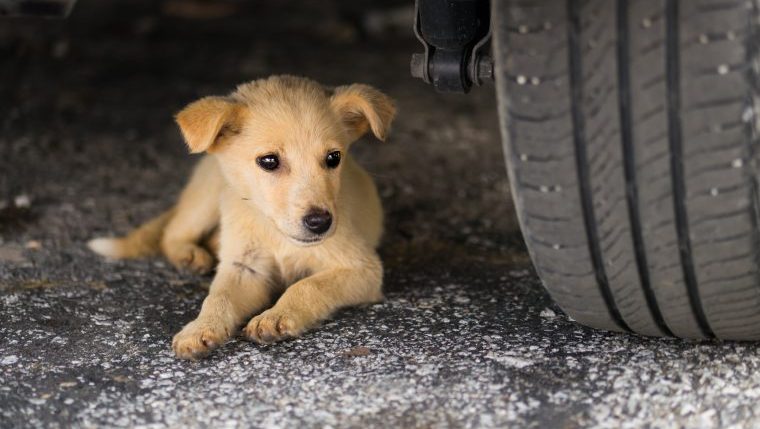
281, 204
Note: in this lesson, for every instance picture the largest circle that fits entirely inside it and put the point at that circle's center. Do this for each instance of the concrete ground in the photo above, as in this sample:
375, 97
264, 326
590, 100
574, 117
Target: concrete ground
467, 336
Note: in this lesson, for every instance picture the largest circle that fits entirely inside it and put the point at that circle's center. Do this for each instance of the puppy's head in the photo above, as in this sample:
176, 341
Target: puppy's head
281, 143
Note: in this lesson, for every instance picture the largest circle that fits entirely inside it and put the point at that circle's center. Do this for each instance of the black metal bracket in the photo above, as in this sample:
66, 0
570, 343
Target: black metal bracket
455, 36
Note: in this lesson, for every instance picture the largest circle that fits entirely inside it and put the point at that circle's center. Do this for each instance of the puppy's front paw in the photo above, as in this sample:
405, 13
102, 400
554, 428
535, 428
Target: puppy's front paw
198, 339
273, 325
192, 258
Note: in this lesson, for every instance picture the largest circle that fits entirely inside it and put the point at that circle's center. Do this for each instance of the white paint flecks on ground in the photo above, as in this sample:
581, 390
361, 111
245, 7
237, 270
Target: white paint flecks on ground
547, 313
9, 360
509, 360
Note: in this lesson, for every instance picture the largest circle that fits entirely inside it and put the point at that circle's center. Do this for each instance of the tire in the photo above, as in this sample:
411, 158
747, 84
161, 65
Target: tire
630, 132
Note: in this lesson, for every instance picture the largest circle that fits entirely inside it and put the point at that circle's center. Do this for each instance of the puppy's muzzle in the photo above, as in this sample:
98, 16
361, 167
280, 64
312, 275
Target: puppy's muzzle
317, 221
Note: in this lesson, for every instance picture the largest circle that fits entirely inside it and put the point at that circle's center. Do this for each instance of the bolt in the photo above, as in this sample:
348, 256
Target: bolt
418, 66
485, 67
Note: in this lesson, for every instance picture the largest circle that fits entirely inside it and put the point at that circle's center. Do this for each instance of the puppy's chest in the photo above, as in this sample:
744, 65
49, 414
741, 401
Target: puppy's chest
285, 268
292, 268
292, 271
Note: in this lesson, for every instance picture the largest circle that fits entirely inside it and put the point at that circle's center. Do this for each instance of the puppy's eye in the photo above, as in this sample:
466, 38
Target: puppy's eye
268, 162
333, 159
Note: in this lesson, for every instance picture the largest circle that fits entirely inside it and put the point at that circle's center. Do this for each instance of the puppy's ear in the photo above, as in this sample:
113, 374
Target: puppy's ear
361, 108
202, 122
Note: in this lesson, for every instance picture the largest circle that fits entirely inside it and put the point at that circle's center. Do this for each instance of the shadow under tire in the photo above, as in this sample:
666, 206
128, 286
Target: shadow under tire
630, 131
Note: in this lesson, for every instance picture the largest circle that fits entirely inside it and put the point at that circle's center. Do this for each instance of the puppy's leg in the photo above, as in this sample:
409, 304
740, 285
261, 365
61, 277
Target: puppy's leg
212, 242
238, 290
313, 299
196, 216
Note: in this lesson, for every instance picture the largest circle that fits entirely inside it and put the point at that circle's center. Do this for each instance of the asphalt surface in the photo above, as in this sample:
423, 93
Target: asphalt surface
467, 336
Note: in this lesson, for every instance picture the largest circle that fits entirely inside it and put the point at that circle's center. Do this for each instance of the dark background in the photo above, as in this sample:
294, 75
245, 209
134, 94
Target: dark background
90, 104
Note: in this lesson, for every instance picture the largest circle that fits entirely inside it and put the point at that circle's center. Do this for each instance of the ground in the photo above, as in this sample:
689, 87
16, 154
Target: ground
467, 336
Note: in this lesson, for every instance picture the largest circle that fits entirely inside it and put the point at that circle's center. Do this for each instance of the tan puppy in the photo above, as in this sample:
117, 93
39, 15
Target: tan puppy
280, 201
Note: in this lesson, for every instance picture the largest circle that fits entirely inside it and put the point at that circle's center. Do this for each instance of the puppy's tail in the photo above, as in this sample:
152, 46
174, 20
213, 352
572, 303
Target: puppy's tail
141, 242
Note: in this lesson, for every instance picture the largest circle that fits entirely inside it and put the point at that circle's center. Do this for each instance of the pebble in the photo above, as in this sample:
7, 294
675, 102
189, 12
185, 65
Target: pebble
9, 360
548, 313
33, 245
22, 201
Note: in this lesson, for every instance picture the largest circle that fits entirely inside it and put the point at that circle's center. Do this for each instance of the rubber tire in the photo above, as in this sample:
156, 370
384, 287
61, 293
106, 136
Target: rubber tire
630, 132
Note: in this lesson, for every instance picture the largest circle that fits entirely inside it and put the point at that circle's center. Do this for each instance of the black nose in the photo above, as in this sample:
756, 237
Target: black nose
317, 221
